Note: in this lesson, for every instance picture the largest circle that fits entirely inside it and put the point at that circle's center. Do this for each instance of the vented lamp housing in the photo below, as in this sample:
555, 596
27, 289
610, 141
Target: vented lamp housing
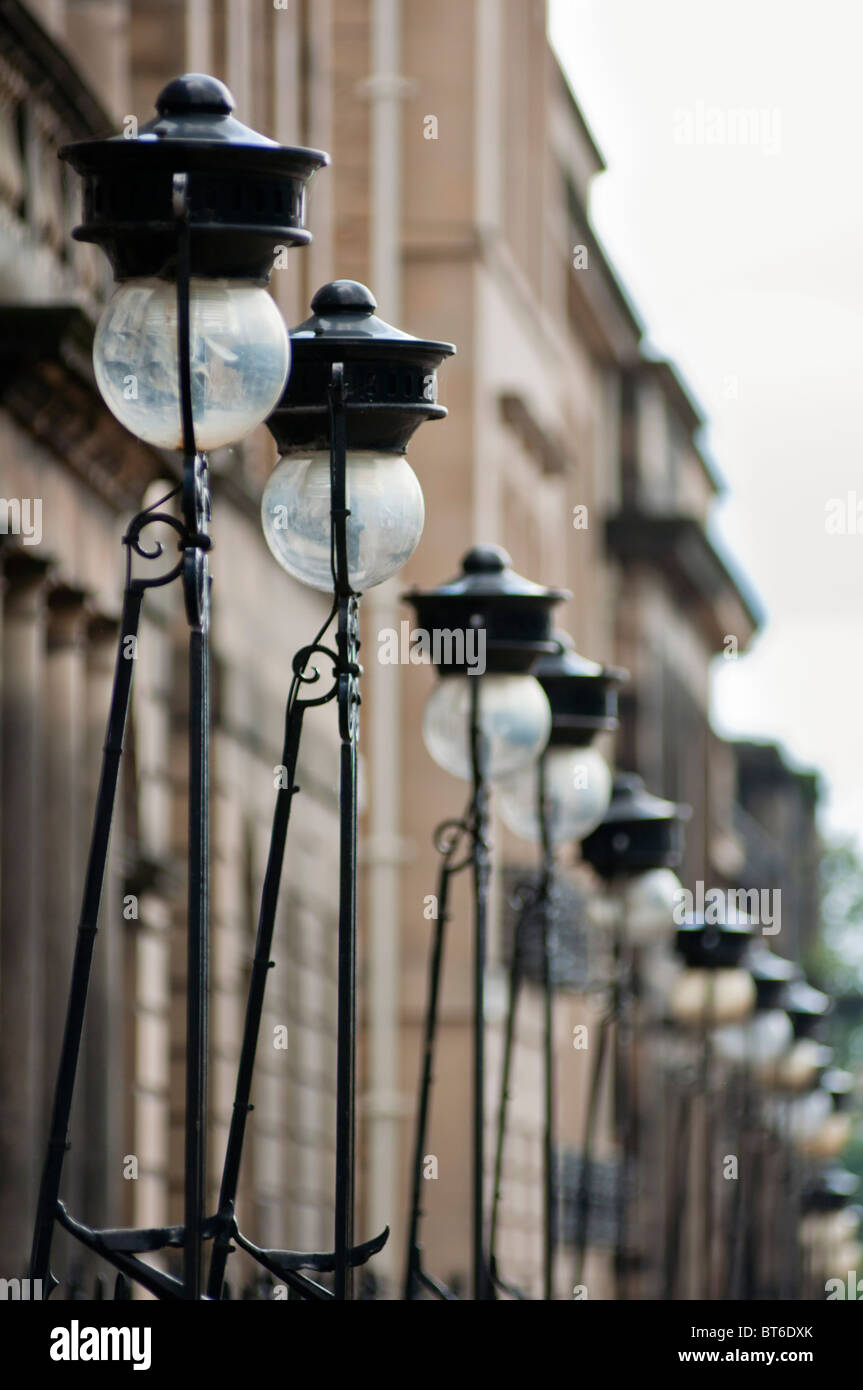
390, 389
510, 618
638, 832
714, 988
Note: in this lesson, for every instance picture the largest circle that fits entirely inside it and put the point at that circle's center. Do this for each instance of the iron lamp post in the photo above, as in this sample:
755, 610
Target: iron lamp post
752, 1048
633, 851
714, 988
190, 353
562, 797
341, 512
479, 727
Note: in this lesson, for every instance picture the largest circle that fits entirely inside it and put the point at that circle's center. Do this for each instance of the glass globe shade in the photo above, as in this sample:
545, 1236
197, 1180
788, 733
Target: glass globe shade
704, 998
514, 722
729, 1042
577, 793
807, 1115
647, 903
798, 1069
845, 1257
761, 1040
829, 1140
831, 1240
386, 519
844, 1225
240, 355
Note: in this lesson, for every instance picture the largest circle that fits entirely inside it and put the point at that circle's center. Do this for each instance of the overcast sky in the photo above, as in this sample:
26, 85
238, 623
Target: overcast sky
741, 246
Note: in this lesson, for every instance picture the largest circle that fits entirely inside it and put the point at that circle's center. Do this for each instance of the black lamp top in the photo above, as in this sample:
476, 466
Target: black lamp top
771, 973
343, 314
198, 107
567, 663
713, 945
639, 831
244, 192
582, 694
806, 1006
831, 1190
514, 612
390, 377
194, 91
631, 801
487, 573
345, 309
193, 111
839, 1084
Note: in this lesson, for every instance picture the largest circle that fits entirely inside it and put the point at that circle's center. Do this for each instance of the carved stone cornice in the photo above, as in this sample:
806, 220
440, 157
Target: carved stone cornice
678, 547
38, 62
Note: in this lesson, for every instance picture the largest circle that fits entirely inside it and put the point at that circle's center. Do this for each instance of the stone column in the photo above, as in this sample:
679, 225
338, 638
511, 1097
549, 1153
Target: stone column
23, 1124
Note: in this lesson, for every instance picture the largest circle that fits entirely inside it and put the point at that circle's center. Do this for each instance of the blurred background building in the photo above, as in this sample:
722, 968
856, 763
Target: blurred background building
460, 193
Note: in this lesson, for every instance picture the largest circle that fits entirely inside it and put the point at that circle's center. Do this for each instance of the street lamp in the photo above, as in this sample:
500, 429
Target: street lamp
712, 989
826, 1139
821, 1127
342, 511
190, 353
563, 796
639, 832
797, 1069
828, 1228
792, 1075
481, 728
390, 387
633, 851
749, 1048
766, 1034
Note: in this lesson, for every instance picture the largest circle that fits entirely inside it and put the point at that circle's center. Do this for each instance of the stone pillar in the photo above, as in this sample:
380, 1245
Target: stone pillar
23, 1124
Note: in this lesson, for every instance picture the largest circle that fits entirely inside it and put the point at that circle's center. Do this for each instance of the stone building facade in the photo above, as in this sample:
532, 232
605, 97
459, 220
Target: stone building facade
459, 192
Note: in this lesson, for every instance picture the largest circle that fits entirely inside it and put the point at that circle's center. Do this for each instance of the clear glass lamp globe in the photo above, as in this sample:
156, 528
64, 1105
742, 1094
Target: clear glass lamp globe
240, 356
809, 1114
710, 998
514, 721
387, 514
762, 1040
577, 793
796, 1070
648, 901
